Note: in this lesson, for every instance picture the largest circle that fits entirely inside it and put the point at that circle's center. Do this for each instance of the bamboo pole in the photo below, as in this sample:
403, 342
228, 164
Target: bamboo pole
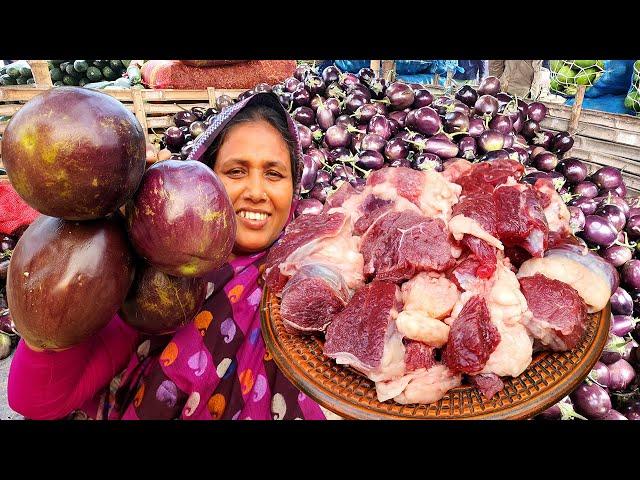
389, 70
575, 111
211, 92
375, 66
138, 109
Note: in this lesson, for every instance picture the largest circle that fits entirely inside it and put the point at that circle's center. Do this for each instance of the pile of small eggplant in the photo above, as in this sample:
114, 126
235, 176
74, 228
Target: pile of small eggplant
8, 336
351, 124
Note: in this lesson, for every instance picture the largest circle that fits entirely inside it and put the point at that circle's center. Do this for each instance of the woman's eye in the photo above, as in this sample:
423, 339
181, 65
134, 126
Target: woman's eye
235, 172
274, 174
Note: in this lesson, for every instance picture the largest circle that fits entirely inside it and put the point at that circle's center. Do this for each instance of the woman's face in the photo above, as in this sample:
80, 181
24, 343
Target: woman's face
254, 165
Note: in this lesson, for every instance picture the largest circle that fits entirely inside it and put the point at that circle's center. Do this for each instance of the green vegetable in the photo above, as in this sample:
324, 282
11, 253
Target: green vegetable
57, 62
571, 90
554, 85
59, 83
73, 72
83, 82
587, 77
21, 81
3, 70
25, 72
109, 74
94, 74
80, 66
116, 65
7, 79
566, 75
56, 74
13, 71
126, 63
632, 101
585, 63
555, 65
100, 63
70, 80
31, 81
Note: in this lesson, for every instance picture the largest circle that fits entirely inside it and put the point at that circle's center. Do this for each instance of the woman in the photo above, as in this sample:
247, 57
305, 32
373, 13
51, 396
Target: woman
215, 367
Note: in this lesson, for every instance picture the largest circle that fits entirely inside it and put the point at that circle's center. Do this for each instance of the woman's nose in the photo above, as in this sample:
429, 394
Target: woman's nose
255, 189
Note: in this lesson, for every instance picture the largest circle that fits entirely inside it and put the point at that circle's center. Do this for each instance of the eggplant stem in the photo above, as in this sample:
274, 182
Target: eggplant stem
568, 413
180, 106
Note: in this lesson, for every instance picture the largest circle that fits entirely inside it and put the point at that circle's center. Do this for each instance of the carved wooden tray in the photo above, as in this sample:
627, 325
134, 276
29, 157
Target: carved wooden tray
348, 393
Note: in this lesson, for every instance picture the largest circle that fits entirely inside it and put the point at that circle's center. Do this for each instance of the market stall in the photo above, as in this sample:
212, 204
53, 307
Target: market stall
523, 218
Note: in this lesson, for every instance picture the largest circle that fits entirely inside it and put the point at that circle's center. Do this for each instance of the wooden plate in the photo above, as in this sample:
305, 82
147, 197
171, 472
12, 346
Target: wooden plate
348, 393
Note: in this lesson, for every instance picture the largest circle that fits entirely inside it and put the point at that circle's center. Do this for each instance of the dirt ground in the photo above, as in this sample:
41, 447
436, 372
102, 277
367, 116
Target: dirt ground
5, 412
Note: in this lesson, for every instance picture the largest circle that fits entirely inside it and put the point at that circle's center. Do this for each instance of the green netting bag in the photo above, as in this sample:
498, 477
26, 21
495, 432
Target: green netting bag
632, 100
568, 75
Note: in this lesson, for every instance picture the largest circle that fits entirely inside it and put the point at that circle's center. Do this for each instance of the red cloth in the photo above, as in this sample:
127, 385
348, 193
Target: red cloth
175, 74
14, 212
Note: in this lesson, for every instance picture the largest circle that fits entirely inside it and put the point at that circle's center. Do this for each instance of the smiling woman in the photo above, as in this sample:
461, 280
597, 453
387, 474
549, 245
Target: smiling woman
254, 157
216, 366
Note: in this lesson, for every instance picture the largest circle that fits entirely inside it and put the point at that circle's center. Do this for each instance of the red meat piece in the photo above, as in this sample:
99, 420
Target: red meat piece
418, 355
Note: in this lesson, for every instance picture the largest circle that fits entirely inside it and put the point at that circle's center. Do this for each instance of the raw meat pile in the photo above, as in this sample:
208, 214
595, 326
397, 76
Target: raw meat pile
424, 280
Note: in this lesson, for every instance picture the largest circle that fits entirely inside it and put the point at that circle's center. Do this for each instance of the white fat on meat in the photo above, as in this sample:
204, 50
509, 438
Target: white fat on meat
436, 296
513, 354
591, 287
341, 252
419, 386
416, 325
427, 300
454, 169
461, 225
438, 196
556, 213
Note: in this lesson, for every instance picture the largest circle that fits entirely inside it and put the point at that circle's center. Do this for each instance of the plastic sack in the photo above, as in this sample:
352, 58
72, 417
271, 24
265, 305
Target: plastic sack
632, 99
601, 77
14, 212
352, 66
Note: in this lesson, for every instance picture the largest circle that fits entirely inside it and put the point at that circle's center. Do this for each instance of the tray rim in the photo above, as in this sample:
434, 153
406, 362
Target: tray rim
350, 410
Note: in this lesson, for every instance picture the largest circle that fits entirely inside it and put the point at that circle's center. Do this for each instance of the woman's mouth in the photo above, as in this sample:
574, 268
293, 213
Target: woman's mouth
253, 220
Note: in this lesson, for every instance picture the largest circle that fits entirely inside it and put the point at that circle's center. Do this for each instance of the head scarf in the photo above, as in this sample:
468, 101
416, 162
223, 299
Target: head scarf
216, 367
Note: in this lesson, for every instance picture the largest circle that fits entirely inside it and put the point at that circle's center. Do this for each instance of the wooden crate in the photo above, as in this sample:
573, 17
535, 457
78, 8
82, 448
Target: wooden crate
154, 109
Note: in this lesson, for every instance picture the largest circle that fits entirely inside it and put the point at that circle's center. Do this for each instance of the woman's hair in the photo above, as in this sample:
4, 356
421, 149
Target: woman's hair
254, 113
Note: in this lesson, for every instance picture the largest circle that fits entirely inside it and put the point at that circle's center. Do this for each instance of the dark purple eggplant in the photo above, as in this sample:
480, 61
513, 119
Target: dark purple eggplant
370, 159
347, 79
622, 325
337, 136
285, 100
290, 84
467, 95
613, 214
561, 142
354, 101
174, 138
607, 177
401, 162
599, 231
522, 155
301, 96
427, 121
616, 255
600, 374
395, 149
486, 105
399, 116
366, 74
573, 169
501, 123
339, 155
536, 111
395, 126
361, 89
592, 401
543, 139
427, 161
585, 189
441, 146
323, 177
304, 134
325, 118
587, 205
530, 129
333, 104
503, 100
380, 126
476, 127
489, 86
423, 98
197, 128
621, 375
456, 122
546, 161
309, 206
331, 74
315, 84
621, 302
372, 141
7, 243
304, 115
335, 91
302, 71
309, 173
613, 415
184, 118
468, 147
320, 191
400, 95
345, 121
365, 113
563, 410
490, 140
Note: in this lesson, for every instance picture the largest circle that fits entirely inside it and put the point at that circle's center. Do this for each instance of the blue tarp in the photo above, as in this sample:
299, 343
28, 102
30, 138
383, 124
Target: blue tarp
405, 67
605, 103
